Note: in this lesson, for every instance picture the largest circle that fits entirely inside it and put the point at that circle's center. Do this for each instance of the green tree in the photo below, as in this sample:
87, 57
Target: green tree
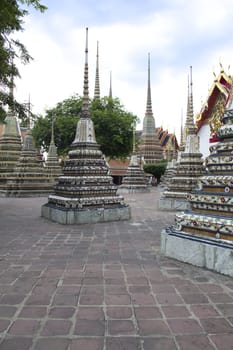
156, 169
66, 116
12, 13
113, 126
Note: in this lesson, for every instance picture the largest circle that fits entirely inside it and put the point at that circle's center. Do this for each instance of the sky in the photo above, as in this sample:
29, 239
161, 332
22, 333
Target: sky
177, 34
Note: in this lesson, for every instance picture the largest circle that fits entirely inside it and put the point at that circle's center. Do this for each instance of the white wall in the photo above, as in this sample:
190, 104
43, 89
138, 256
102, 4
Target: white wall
204, 134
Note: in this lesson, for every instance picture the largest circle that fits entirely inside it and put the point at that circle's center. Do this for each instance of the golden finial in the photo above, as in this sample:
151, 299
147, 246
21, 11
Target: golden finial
221, 66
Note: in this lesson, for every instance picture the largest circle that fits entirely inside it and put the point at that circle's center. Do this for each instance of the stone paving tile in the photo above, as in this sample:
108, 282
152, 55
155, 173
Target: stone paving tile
121, 327
119, 312
175, 311
89, 327
52, 344
56, 327
152, 327
7, 311
204, 311
90, 313
216, 325
123, 343
16, 343
61, 312
219, 298
168, 298
225, 309
184, 326
147, 312
194, 342
33, 312
159, 343
87, 344
104, 286
4, 325
24, 327
222, 341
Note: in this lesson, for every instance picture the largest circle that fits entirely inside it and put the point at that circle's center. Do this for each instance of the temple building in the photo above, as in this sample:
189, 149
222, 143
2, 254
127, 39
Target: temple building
209, 118
149, 148
52, 165
203, 235
189, 168
85, 193
29, 178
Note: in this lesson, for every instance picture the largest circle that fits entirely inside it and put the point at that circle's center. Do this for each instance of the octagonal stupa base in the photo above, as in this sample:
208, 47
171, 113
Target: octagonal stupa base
85, 216
133, 189
173, 204
211, 253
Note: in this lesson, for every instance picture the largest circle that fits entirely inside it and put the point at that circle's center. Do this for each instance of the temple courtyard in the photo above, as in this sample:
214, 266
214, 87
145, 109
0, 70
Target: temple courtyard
104, 286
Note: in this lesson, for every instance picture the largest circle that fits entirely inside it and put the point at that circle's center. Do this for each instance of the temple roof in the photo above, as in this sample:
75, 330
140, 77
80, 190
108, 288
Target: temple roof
220, 86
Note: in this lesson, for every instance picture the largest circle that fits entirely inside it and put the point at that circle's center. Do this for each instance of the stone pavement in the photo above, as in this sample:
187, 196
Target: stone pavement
104, 286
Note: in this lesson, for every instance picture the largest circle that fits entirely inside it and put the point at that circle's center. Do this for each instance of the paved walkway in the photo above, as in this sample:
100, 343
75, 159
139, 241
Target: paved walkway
104, 286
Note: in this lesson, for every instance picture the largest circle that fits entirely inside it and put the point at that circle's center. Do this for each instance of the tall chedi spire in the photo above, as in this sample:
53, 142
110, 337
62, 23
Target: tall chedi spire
10, 141
52, 163
182, 141
135, 180
97, 79
29, 178
110, 86
150, 148
203, 235
85, 193
189, 168
148, 101
190, 128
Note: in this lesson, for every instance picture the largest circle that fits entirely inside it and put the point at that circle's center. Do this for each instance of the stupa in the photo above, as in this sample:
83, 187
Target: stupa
29, 178
85, 193
203, 235
189, 167
150, 148
97, 78
10, 142
135, 180
52, 165
169, 172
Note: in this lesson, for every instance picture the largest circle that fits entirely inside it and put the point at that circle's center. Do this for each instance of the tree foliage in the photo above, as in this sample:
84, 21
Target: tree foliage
12, 13
113, 126
65, 115
156, 169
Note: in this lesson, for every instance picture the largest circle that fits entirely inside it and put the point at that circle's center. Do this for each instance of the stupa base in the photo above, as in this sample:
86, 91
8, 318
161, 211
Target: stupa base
211, 253
24, 194
173, 204
85, 216
133, 189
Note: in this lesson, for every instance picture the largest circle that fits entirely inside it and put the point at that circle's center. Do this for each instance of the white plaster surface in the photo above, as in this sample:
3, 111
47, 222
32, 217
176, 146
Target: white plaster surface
173, 204
213, 257
87, 216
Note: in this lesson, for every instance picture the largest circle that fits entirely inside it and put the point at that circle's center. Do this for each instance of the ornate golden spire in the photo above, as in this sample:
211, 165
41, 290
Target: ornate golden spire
97, 80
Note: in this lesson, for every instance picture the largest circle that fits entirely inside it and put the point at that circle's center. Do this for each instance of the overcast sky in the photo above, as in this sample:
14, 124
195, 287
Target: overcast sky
177, 33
